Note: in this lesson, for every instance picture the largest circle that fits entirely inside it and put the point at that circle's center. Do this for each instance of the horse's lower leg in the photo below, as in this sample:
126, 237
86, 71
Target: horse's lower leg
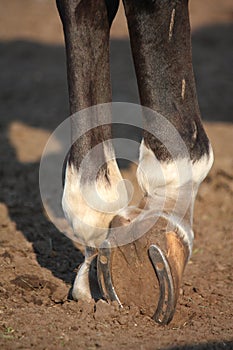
175, 156
161, 46
91, 170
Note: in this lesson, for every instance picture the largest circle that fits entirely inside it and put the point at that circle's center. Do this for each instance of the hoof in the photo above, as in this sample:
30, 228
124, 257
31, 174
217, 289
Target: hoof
86, 285
81, 287
146, 272
78, 294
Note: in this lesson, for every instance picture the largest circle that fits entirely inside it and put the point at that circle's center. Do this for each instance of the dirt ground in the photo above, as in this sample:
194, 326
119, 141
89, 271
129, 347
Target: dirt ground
37, 263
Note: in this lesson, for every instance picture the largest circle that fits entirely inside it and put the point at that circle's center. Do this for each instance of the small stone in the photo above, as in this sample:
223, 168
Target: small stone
122, 320
103, 310
60, 295
86, 307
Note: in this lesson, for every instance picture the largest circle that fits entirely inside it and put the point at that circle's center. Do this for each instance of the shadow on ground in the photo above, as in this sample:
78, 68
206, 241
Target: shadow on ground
223, 345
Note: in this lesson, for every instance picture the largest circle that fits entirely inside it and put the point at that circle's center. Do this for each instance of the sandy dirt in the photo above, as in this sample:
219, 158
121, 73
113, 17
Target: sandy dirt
37, 263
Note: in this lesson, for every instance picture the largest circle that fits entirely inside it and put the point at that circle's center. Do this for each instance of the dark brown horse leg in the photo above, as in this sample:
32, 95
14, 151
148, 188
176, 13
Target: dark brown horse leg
86, 26
161, 46
160, 40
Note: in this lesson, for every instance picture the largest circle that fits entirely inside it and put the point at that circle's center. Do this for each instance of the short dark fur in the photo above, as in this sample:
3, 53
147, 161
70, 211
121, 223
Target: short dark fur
86, 29
160, 66
161, 63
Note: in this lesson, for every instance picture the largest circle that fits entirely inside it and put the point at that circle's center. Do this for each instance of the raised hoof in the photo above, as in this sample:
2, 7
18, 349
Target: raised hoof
144, 272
